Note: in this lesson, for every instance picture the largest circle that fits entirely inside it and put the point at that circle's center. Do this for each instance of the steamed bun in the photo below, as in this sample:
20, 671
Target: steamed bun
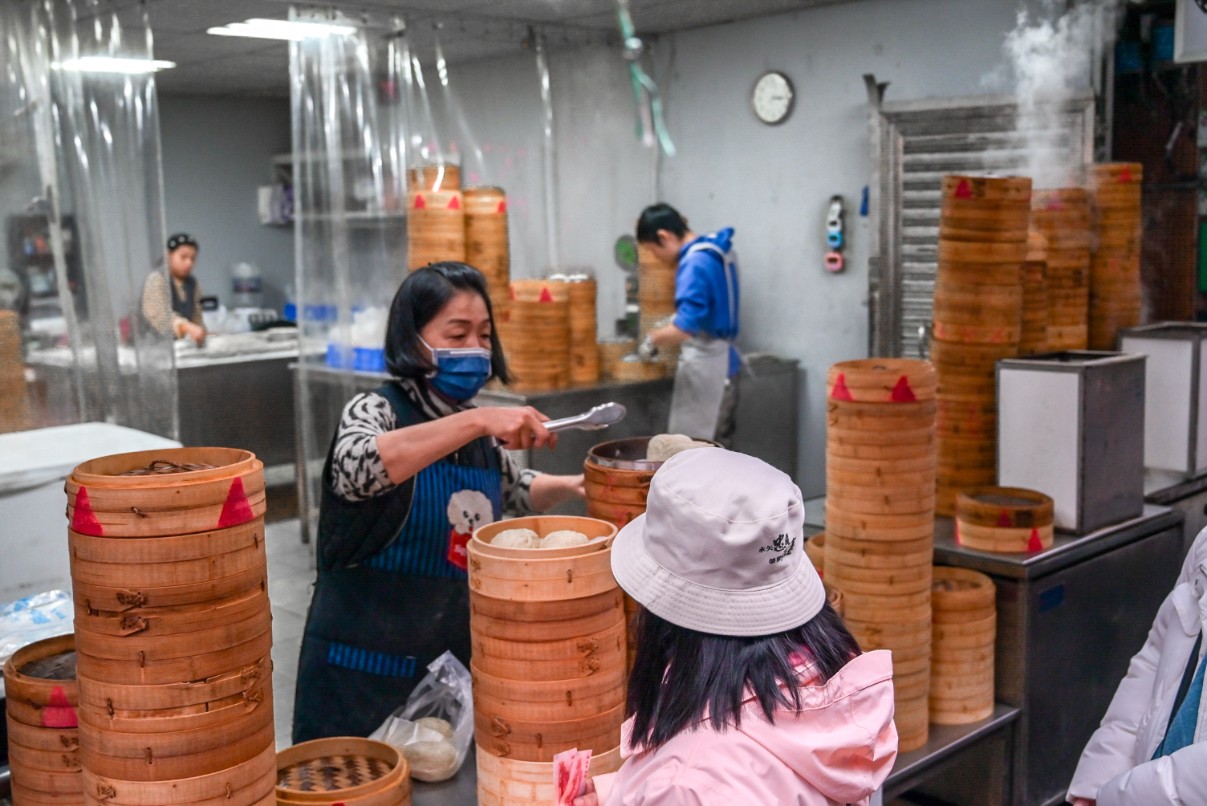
516, 539
431, 761
563, 538
664, 446
437, 724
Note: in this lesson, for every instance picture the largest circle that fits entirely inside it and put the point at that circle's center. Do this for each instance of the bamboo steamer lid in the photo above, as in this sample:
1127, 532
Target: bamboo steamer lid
961, 589
434, 176
881, 380
343, 770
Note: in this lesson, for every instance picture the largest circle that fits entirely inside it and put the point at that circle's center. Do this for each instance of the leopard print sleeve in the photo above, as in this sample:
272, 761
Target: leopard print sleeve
357, 471
517, 484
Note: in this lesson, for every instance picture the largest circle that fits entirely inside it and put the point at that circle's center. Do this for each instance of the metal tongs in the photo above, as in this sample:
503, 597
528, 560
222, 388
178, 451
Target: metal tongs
597, 418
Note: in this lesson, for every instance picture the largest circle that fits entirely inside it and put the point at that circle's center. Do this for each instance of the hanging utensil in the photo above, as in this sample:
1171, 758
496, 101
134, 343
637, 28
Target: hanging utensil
597, 418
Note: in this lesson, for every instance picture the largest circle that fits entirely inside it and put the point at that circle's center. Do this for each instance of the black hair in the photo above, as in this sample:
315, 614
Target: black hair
659, 216
181, 239
421, 296
679, 675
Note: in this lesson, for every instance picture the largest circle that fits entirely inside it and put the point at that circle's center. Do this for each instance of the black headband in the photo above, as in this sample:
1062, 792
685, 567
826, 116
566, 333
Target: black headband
180, 239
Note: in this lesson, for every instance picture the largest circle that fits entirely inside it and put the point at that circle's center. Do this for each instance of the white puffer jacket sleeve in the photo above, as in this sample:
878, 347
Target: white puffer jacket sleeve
1180, 778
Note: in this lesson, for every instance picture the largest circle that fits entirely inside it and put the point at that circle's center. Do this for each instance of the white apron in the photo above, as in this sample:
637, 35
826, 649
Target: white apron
699, 387
703, 368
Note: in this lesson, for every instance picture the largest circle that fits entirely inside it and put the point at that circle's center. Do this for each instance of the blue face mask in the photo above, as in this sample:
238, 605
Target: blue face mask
461, 372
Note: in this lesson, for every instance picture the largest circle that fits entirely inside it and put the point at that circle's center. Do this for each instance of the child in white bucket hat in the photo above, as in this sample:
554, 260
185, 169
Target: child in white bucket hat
746, 688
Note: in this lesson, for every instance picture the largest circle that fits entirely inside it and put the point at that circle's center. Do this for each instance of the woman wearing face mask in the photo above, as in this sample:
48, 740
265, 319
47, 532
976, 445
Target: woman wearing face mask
412, 470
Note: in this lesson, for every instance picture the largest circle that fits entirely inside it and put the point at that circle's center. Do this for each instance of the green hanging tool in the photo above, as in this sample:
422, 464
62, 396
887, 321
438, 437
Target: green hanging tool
650, 122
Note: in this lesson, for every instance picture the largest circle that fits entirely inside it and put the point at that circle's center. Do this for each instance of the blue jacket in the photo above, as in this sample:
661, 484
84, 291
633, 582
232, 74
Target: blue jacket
702, 293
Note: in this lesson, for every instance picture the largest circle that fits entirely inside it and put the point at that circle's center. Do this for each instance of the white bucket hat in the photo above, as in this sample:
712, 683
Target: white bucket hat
721, 547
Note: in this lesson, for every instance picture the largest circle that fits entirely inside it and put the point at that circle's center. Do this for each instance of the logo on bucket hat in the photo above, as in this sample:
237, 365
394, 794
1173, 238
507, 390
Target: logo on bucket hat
715, 550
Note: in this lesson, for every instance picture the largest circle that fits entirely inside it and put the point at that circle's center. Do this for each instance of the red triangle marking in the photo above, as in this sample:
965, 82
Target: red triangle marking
545, 295
1125, 176
59, 712
236, 510
420, 204
1055, 204
1003, 519
502, 206
902, 393
83, 520
455, 204
963, 190
1034, 543
840, 390
511, 291
959, 540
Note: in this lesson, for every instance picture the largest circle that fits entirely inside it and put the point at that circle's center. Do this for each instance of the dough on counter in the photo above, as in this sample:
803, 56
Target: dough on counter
516, 539
437, 724
664, 446
564, 538
431, 761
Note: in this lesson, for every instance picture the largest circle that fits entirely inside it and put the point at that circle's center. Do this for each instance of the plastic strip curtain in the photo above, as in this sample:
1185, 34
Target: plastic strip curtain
86, 237
349, 155
549, 155
650, 123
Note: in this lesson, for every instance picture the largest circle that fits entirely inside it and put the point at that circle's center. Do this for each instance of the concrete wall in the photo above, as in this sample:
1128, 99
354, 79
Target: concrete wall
216, 151
774, 183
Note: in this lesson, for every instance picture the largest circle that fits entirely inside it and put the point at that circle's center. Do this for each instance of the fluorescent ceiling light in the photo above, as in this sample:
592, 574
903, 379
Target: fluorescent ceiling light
114, 64
290, 30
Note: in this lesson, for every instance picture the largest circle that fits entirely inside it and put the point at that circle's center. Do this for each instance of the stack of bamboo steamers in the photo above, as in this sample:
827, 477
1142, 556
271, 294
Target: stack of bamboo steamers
1115, 291
983, 244
548, 634
1062, 215
43, 734
14, 403
880, 477
173, 628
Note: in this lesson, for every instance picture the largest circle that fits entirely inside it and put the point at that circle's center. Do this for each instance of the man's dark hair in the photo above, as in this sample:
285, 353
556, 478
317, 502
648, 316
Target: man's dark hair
420, 297
659, 216
710, 674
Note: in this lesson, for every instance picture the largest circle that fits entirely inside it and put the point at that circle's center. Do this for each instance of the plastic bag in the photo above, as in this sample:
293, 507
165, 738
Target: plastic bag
31, 619
434, 729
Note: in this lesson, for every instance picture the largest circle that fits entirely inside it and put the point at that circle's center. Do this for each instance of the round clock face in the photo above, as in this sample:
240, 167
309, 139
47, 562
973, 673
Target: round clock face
772, 97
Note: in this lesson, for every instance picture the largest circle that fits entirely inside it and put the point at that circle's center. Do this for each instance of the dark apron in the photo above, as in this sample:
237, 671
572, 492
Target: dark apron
185, 306
373, 627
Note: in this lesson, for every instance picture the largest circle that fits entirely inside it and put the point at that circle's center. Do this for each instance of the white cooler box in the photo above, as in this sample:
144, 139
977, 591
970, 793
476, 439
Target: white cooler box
33, 525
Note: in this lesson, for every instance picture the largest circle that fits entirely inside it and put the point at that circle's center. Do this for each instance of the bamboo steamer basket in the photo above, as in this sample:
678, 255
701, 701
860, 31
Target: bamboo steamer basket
541, 740
1063, 216
549, 638
584, 353
617, 477
434, 176
487, 246
149, 767
815, 549
1115, 283
103, 502
184, 697
14, 403
611, 352
506, 782
435, 227
631, 369
1004, 519
42, 724
246, 783
343, 770
963, 661
1034, 335
535, 330
980, 191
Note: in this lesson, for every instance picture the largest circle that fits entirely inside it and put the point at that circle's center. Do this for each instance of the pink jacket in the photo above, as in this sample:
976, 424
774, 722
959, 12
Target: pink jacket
838, 749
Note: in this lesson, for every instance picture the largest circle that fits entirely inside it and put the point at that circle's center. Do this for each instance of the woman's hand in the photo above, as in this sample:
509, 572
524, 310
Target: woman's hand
516, 428
1083, 802
590, 798
548, 490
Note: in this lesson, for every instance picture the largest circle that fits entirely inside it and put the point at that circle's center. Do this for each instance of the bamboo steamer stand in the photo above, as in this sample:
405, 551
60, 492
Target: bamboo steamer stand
535, 333
962, 647
173, 627
1116, 295
342, 770
43, 735
548, 633
879, 539
979, 317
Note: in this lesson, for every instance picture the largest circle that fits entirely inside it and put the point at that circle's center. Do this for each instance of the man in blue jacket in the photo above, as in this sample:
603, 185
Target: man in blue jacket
705, 322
